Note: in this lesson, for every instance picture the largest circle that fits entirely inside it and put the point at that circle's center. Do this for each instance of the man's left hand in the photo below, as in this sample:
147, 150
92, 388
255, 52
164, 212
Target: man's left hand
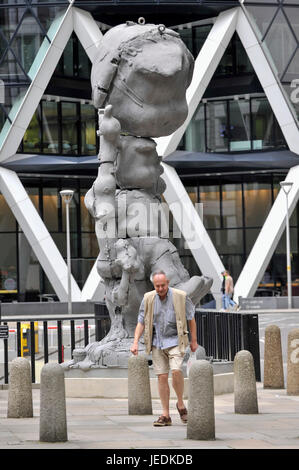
193, 345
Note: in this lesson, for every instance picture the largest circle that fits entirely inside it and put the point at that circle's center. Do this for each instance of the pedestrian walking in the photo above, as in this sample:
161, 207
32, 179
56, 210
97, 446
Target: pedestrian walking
164, 317
227, 291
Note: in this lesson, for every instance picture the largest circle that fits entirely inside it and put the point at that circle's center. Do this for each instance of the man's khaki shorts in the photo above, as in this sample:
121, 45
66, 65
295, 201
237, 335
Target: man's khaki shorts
167, 359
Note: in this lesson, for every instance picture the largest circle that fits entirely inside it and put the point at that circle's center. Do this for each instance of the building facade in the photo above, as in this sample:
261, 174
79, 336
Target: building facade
239, 142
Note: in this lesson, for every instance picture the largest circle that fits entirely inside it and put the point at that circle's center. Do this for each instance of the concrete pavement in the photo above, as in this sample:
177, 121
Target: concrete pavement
95, 423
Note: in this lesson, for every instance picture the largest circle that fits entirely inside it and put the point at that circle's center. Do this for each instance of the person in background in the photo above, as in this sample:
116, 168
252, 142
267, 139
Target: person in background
227, 291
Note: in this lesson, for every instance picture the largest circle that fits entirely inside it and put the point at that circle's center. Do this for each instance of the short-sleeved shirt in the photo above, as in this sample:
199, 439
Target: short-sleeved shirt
164, 321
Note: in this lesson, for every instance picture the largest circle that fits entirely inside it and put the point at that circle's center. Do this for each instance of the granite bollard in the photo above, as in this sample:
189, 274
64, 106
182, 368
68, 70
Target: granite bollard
201, 412
293, 362
53, 425
139, 390
20, 389
273, 364
245, 394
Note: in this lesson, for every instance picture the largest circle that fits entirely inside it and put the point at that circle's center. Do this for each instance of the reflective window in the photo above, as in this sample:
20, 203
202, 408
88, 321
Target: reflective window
239, 116
8, 262
258, 201
50, 127
87, 221
232, 212
88, 130
281, 42
217, 129
69, 115
210, 198
50, 208
227, 241
90, 247
7, 220
200, 35
186, 36
195, 133
32, 136
265, 130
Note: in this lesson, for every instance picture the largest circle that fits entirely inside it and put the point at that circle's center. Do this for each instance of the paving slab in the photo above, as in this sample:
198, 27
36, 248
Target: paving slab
105, 424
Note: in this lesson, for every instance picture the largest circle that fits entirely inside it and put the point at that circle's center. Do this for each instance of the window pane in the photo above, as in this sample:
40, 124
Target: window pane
258, 203
243, 63
200, 35
90, 247
32, 136
50, 127
33, 193
69, 128
8, 262
68, 62
87, 221
195, 133
192, 192
263, 123
50, 208
251, 236
84, 64
7, 220
281, 42
227, 241
239, 114
210, 198
232, 205
29, 270
60, 241
234, 264
186, 36
88, 129
225, 66
217, 134
261, 16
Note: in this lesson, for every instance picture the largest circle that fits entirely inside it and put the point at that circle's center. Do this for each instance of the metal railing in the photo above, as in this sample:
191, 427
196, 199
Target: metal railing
222, 334
100, 319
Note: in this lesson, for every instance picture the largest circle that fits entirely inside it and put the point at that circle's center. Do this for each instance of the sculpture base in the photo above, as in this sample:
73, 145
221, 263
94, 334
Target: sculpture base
219, 367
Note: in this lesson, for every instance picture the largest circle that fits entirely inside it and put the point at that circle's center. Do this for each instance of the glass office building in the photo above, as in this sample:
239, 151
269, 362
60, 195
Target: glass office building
231, 158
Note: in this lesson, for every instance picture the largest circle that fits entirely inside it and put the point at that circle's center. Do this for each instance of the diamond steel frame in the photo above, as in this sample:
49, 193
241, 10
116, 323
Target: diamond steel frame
203, 250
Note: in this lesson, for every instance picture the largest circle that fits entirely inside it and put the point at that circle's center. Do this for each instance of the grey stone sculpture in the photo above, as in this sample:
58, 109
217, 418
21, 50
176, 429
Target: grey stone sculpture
139, 81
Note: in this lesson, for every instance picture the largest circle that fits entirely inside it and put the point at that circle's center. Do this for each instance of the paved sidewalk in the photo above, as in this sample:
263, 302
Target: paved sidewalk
105, 424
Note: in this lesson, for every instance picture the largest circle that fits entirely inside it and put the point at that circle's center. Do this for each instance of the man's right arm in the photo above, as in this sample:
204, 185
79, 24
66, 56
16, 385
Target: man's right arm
138, 332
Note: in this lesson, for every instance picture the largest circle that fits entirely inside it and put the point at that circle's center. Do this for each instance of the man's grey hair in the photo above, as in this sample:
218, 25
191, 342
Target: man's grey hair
155, 273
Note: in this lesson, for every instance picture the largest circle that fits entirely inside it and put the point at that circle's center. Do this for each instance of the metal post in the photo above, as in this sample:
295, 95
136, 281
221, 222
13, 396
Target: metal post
287, 186
289, 280
68, 255
67, 195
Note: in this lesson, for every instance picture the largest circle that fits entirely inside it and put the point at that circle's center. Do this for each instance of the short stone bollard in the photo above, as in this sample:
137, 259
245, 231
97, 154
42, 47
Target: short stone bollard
245, 393
201, 412
293, 362
273, 364
53, 426
139, 389
20, 389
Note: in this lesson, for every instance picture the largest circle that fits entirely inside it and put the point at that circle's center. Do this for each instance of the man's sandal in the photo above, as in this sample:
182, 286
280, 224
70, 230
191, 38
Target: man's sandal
183, 414
163, 421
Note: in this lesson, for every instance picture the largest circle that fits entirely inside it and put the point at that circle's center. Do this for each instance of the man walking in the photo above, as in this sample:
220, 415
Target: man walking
227, 291
163, 317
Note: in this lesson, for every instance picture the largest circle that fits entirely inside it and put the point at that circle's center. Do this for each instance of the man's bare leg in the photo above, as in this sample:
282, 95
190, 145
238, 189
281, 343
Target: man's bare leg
178, 385
164, 393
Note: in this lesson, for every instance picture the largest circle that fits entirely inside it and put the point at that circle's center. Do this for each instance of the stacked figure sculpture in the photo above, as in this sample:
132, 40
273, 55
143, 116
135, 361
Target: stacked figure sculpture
139, 81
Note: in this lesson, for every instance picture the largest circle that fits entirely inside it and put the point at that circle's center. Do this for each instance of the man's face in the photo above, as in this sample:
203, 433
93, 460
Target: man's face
161, 285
